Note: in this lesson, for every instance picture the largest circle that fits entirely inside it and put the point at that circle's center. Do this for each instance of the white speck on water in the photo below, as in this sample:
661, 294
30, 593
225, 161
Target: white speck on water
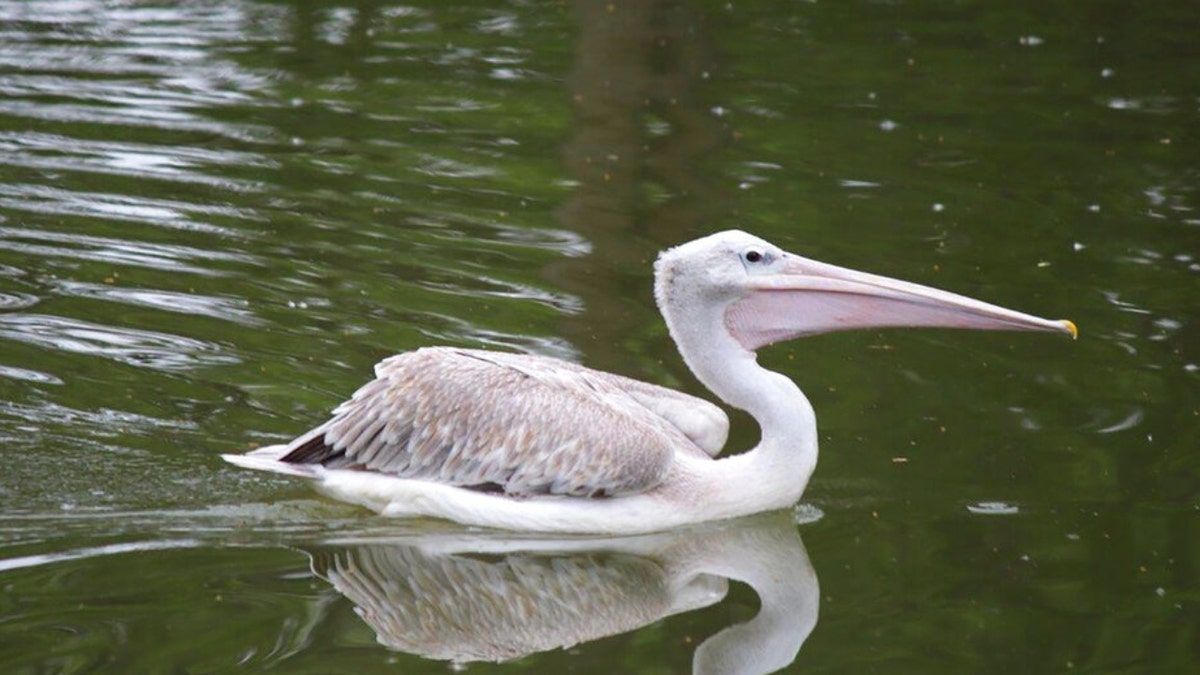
1094, 208
1160, 591
719, 111
1073, 536
1030, 40
1077, 246
1106, 72
1118, 103
888, 125
939, 207
993, 508
807, 513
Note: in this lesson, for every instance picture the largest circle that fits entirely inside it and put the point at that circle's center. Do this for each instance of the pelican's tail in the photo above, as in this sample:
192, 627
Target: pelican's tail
267, 459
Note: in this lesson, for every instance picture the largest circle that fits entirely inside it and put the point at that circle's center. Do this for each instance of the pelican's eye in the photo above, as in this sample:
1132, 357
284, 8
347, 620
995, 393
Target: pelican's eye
756, 257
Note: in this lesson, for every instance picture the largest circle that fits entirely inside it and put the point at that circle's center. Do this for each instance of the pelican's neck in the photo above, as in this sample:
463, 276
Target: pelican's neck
733, 373
776, 471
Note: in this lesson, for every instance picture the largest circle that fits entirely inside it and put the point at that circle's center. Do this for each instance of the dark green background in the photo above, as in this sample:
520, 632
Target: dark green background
216, 216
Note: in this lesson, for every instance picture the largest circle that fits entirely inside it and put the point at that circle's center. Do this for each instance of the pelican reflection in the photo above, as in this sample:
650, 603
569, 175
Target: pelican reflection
465, 597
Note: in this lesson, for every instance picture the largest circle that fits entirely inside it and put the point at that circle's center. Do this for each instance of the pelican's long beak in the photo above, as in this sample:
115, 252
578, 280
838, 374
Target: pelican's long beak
803, 297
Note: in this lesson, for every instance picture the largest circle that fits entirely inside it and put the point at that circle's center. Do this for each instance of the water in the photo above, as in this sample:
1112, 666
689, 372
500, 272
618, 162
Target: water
214, 218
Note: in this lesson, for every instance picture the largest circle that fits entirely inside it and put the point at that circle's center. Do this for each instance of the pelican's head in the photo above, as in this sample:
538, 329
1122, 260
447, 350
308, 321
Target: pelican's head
764, 294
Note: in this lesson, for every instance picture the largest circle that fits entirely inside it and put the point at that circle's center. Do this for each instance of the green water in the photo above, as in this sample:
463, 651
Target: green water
215, 217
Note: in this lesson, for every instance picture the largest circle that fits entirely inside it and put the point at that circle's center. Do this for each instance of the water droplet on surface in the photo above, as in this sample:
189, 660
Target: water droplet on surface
993, 508
807, 513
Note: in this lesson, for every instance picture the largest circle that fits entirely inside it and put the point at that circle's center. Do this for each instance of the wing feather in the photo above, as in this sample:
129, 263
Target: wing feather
526, 424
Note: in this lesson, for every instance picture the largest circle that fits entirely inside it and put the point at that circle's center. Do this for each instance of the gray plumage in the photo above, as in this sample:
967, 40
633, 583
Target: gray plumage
524, 425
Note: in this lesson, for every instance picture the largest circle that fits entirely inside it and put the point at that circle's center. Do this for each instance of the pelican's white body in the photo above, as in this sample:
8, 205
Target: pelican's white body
698, 491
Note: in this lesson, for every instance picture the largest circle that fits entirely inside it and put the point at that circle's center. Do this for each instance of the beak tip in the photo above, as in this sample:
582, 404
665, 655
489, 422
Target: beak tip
1071, 328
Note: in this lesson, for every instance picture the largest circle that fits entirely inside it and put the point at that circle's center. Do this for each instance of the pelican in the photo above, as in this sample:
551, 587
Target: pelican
530, 443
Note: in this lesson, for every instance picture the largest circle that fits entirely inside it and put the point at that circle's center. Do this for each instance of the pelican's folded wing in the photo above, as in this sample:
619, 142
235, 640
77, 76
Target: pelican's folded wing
523, 425
704, 424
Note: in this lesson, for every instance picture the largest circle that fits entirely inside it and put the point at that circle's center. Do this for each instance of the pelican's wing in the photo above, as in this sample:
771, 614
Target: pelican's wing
524, 425
703, 423
706, 425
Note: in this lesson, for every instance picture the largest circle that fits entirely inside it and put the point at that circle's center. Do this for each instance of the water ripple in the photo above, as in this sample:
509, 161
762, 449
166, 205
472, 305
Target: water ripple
1105, 421
122, 117
144, 210
14, 373
161, 351
458, 330
14, 563
227, 309
147, 67
10, 301
169, 257
478, 285
52, 152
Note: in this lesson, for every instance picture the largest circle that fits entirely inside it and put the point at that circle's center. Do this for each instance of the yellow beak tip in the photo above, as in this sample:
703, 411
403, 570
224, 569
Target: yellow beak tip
1071, 328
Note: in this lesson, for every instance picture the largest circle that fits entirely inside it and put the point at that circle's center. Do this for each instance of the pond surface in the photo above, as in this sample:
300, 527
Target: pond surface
216, 217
